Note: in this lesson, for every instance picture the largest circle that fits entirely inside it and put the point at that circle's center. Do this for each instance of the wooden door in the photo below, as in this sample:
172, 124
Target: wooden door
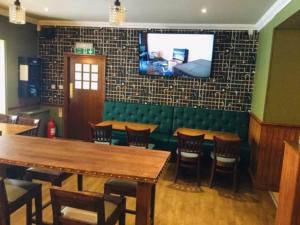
84, 94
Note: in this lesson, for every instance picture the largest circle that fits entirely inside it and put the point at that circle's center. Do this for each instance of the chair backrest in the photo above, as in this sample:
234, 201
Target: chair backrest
13, 119
30, 122
4, 208
93, 202
4, 118
139, 138
101, 133
190, 144
226, 148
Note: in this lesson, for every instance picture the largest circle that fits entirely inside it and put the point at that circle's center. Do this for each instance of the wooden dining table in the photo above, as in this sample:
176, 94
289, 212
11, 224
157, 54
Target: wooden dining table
120, 125
209, 134
8, 128
142, 166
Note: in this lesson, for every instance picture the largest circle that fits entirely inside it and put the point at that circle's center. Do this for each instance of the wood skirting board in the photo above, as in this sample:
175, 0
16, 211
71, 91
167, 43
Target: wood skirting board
267, 147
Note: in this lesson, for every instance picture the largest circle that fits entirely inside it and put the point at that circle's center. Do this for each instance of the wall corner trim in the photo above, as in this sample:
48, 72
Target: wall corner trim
271, 13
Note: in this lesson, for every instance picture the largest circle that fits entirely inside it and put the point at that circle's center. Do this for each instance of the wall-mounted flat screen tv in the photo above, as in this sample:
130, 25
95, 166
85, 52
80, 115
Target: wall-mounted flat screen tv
187, 55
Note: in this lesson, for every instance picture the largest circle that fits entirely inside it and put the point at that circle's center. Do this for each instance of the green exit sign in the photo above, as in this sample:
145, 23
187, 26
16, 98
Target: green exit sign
85, 51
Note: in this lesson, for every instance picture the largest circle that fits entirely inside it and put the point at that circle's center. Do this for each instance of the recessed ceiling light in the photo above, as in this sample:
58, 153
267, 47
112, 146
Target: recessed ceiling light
46, 9
204, 10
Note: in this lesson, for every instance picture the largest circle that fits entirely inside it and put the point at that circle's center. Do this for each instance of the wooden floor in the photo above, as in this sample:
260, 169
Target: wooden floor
185, 203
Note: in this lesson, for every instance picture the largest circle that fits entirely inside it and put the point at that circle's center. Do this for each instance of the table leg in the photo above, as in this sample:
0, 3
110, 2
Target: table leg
3, 169
143, 203
153, 204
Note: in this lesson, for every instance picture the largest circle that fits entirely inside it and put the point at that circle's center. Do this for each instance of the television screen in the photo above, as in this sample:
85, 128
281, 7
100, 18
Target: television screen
188, 55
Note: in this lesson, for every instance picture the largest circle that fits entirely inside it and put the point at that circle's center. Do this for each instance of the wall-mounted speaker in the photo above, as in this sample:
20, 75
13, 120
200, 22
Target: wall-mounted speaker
48, 33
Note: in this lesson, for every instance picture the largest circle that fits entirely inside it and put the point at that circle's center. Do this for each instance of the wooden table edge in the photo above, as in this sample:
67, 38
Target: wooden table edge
152, 127
200, 132
91, 173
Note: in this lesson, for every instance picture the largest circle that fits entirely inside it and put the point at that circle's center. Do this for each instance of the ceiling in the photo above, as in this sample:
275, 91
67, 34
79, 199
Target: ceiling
150, 11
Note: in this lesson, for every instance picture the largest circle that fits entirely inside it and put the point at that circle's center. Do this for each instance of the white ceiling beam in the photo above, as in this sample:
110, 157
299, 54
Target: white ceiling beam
271, 13
149, 25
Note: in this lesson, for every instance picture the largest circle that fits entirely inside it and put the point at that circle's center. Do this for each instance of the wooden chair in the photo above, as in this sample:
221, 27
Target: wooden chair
225, 159
137, 138
52, 176
102, 134
4, 118
189, 153
30, 122
16, 193
82, 208
13, 119
99, 135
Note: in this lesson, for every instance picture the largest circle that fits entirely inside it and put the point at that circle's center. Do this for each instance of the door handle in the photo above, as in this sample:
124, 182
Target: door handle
71, 94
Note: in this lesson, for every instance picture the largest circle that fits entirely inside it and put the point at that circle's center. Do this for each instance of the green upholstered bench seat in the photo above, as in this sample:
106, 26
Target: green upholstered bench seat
170, 118
208, 119
161, 140
142, 113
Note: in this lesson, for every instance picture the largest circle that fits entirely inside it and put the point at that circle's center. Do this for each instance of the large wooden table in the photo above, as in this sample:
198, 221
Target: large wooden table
142, 166
209, 135
120, 125
8, 128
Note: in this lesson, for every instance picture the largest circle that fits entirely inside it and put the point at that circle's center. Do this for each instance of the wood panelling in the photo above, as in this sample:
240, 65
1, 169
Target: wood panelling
254, 139
267, 147
289, 193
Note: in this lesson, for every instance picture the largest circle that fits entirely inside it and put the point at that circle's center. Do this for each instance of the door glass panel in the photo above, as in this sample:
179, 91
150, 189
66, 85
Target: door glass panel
94, 86
86, 85
78, 76
94, 68
78, 67
94, 77
77, 84
86, 76
86, 67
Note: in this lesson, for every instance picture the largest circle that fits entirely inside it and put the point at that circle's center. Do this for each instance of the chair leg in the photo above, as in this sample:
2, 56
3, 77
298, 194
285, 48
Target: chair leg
122, 218
198, 173
80, 182
152, 214
29, 213
5, 219
38, 208
177, 169
235, 173
213, 168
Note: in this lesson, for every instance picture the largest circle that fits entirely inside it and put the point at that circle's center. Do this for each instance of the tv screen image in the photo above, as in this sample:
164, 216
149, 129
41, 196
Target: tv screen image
188, 55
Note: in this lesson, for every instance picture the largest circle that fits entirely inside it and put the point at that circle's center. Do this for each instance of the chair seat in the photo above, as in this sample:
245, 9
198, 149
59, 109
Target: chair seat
223, 159
91, 217
16, 189
46, 174
113, 142
188, 154
150, 146
121, 187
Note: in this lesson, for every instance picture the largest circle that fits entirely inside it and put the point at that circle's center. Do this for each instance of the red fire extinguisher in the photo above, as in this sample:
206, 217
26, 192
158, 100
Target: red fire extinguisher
51, 128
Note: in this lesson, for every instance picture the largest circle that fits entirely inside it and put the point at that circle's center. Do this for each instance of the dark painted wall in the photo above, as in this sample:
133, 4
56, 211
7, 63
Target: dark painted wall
20, 40
229, 87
